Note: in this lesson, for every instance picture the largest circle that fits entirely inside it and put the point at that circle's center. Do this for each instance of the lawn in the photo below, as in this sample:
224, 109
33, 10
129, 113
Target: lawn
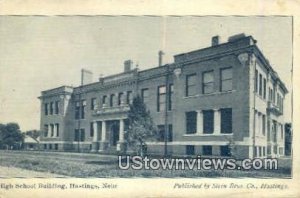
104, 166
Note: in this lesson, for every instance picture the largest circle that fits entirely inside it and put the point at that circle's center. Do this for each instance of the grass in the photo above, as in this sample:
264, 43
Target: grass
103, 166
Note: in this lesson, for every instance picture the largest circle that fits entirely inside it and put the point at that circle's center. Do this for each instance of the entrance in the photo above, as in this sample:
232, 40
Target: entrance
114, 134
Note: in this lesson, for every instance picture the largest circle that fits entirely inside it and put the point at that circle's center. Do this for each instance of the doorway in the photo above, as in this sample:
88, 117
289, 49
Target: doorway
114, 133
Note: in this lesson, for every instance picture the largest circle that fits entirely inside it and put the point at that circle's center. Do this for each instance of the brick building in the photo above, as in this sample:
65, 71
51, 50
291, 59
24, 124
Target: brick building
221, 100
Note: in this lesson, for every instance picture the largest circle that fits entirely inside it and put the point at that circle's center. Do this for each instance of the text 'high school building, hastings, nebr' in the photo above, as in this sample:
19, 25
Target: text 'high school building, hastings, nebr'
209, 100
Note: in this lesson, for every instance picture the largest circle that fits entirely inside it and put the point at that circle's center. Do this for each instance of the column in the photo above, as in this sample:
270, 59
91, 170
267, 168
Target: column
95, 143
217, 121
103, 131
95, 129
121, 142
199, 122
49, 130
121, 131
259, 124
123, 102
56, 129
103, 142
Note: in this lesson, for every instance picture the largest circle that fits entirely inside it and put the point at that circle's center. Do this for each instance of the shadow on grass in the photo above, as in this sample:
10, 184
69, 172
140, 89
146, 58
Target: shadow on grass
102, 162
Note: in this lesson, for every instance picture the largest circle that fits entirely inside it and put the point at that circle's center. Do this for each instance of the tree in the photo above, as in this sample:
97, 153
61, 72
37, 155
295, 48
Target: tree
288, 138
10, 135
33, 133
141, 127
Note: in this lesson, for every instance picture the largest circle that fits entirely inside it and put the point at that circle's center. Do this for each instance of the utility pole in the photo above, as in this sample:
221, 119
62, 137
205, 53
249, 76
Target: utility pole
79, 120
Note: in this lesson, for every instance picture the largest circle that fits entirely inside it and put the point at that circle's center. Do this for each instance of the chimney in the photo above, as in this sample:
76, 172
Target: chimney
215, 40
101, 78
86, 77
160, 58
127, 65
236, 37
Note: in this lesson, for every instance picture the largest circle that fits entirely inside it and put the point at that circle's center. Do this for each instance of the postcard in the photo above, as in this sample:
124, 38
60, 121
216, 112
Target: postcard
149, 102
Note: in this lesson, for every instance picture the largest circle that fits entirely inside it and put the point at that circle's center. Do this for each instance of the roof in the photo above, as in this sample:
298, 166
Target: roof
241, 42
30, 140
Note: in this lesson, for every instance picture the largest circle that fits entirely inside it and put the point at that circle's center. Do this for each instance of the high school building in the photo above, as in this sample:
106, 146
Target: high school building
221, 100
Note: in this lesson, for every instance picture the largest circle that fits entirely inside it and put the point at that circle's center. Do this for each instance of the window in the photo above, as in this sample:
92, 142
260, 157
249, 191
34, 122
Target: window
82, 135
226, 120
112, 100
161, 98
268, 131
263, 124
56, 146
206, 150
77, 110
93, 103
268, 150
226, 79
281, 131
260, 85
225, 150
170, 136
190, 150
161, 133
46, 130
45, 146
274, 95
256, 81
271, 95
281, 104
171, 90
145, 95
76, 135
83, 104
129, 98
51, 108
191, 122
104, 101
274, 131
52, 130
79, 135
46, 108
208, 82
56, 107
92, 129
120, 98
191, 82
57, 129
265, 88
280, 151
275, 149
259, 151
50, 146
208, 121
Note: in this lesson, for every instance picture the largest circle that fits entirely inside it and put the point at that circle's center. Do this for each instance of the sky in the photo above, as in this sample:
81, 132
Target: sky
43, 52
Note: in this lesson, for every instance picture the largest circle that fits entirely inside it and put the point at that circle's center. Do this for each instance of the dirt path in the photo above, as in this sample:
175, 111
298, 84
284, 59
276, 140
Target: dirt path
18, 172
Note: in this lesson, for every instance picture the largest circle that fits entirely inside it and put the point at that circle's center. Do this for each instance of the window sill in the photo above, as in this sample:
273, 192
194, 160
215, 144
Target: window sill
55, 114
203, 134
209, 94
